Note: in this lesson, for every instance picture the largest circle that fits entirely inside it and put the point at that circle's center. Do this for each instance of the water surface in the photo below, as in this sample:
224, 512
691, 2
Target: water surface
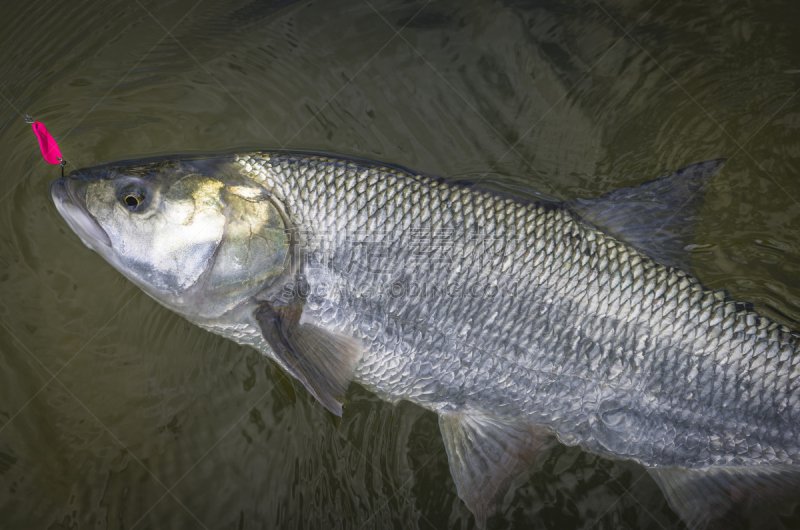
116, 413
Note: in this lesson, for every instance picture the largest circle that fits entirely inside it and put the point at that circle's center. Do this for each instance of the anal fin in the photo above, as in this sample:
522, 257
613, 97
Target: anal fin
712, 497
487, 453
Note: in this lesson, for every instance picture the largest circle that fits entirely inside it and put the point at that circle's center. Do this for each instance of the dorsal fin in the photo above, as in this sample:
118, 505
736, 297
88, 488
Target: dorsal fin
713, 497
657, 218
487, 453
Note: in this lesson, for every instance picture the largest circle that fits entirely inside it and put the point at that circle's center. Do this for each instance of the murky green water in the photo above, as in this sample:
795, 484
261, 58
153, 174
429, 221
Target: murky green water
116, 413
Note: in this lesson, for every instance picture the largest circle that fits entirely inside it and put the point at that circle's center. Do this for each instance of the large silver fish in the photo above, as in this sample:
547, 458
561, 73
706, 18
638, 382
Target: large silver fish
517, 321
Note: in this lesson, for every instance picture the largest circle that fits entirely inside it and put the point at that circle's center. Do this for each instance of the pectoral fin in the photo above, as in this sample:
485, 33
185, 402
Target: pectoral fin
486, 453
322, 360
710, 498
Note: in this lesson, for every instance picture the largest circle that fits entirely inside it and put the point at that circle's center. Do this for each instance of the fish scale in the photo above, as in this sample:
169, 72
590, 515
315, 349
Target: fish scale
576, 356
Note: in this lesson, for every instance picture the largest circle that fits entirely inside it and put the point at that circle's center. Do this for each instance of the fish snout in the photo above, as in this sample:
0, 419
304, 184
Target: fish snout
69, 195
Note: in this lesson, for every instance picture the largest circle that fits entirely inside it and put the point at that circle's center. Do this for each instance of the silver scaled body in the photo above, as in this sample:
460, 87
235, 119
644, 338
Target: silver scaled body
466, 300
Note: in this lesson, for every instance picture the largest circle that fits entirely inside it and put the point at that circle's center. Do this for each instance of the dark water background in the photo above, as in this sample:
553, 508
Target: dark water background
116, 413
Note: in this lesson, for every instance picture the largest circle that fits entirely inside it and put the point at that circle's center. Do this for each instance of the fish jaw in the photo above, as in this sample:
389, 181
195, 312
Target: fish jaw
69, 195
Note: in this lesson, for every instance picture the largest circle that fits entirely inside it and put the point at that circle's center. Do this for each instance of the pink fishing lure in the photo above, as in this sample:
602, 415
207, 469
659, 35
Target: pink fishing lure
48, 145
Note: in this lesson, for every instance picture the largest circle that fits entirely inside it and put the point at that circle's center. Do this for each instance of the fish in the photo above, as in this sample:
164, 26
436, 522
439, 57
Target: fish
521, 322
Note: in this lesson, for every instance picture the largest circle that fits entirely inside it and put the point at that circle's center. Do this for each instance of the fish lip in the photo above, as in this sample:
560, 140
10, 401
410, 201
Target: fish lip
70, 203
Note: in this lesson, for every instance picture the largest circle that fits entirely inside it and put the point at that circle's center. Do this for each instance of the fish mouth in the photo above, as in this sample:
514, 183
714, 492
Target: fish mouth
69, 194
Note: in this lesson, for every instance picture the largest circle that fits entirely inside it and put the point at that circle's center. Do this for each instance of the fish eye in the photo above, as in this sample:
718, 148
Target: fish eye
132, 197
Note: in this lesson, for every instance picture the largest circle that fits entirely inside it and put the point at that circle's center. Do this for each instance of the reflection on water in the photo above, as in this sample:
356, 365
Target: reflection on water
153, 422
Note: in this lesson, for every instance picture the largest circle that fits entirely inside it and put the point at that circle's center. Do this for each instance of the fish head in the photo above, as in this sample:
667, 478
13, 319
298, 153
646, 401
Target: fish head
192, 234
